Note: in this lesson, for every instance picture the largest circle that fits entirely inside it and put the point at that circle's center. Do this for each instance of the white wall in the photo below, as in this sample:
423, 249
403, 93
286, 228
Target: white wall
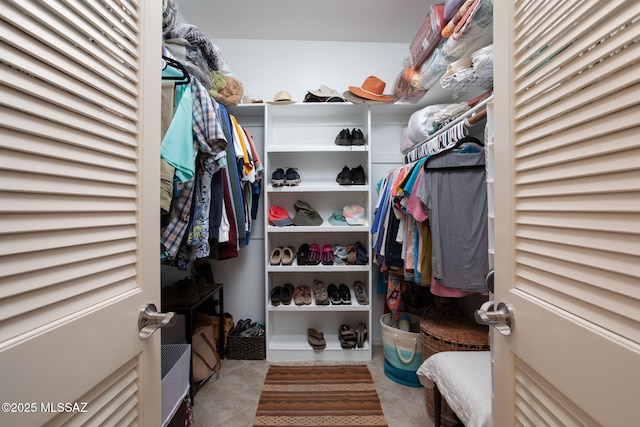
269, 66
266, 67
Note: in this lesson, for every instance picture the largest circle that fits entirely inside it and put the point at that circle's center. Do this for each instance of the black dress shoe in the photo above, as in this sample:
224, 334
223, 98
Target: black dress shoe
344, 137
358, 176
345, 177
357, 137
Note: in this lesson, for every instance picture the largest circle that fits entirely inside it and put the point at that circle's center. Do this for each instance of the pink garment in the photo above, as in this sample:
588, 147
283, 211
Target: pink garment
441, 290
396, 189
415, 207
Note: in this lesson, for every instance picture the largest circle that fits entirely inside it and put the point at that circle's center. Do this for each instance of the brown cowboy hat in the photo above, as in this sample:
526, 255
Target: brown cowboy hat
371, 90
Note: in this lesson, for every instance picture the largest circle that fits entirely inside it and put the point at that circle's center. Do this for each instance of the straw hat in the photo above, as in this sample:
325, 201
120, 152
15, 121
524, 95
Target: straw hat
282, 97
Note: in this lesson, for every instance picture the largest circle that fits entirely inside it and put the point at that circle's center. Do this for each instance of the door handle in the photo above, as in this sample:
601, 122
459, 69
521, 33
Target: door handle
501, 318
149, 320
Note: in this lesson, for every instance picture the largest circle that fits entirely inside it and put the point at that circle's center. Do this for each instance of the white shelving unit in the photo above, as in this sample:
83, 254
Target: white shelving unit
302, 136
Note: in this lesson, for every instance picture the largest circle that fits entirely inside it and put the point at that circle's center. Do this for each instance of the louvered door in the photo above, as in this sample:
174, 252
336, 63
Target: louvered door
567, 160
79, 202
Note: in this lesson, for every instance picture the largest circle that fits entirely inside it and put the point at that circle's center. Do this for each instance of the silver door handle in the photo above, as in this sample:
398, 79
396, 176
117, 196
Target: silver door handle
501, 318
149, 320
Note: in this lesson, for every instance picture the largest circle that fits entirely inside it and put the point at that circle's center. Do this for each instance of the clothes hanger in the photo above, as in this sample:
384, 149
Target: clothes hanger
450, 148
180, 80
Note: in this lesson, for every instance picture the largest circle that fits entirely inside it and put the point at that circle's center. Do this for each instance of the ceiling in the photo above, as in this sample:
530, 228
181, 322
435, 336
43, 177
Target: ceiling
381, 21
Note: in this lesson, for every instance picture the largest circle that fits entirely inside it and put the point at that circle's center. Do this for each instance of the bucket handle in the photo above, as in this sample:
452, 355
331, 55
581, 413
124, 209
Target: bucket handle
413, 354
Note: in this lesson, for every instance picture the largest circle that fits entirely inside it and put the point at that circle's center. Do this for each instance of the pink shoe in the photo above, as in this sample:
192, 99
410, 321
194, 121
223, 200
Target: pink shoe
327, 255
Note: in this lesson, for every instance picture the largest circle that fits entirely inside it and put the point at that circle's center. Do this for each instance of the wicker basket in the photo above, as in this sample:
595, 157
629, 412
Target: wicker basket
450, 334
246, 348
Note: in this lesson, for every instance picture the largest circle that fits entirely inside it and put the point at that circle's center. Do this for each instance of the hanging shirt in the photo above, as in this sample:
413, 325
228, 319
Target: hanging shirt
177, 144
456, 201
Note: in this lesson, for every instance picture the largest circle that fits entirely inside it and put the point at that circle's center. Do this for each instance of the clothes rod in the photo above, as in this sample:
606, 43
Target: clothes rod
466, 115
470, 117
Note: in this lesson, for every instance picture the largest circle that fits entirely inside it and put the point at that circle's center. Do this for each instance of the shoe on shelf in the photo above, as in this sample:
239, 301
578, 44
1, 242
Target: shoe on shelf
358, 176
327, 255
278, 177
345, 294
276, 256
357, 137
320, 293
344, 137
361, 293
288, 255
347, 337
303, 254
345, 177
298, 295
352, 254
315, 255
339, 255
291, 177
276, 295
316, 339
361, 334
334, 294
361, 254
287, 293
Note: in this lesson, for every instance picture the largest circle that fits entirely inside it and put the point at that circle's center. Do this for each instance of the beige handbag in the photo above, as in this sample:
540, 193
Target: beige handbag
204, 359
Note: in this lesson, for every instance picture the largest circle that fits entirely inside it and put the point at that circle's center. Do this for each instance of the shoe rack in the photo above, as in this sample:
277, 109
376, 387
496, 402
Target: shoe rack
303, 136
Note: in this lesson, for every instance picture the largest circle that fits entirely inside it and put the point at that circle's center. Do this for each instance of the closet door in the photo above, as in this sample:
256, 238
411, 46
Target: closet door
567, 161
79, 167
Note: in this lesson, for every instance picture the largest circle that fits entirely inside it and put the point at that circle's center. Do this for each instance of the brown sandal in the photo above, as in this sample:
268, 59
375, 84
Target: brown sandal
352, 254
316, 339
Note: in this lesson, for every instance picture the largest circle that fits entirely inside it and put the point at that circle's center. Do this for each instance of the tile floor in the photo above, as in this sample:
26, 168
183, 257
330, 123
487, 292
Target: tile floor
231, 400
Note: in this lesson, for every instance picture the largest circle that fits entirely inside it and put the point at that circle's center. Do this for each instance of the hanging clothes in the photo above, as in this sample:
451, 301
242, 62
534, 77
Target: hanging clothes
454, 192
206, 138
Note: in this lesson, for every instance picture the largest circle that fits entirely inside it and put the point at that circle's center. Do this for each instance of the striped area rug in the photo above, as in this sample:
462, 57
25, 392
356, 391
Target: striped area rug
343, 395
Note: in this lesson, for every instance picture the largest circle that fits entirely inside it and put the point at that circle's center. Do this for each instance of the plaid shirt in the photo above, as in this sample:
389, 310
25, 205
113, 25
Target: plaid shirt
209, 139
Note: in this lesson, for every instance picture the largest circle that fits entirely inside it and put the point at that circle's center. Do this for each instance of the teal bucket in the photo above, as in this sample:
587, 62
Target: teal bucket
402, 350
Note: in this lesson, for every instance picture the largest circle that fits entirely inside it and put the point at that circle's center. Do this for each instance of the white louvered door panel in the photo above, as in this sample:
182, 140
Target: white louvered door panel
567, 162
79, 197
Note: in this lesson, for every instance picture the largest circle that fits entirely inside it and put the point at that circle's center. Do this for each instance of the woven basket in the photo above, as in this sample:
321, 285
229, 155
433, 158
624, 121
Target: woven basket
246, 348
450, 334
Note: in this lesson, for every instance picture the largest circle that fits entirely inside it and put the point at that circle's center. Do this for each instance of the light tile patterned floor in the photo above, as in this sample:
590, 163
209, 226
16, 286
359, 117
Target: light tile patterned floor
231, 400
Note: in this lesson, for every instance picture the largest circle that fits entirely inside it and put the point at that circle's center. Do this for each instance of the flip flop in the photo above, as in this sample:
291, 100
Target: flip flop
316, 339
